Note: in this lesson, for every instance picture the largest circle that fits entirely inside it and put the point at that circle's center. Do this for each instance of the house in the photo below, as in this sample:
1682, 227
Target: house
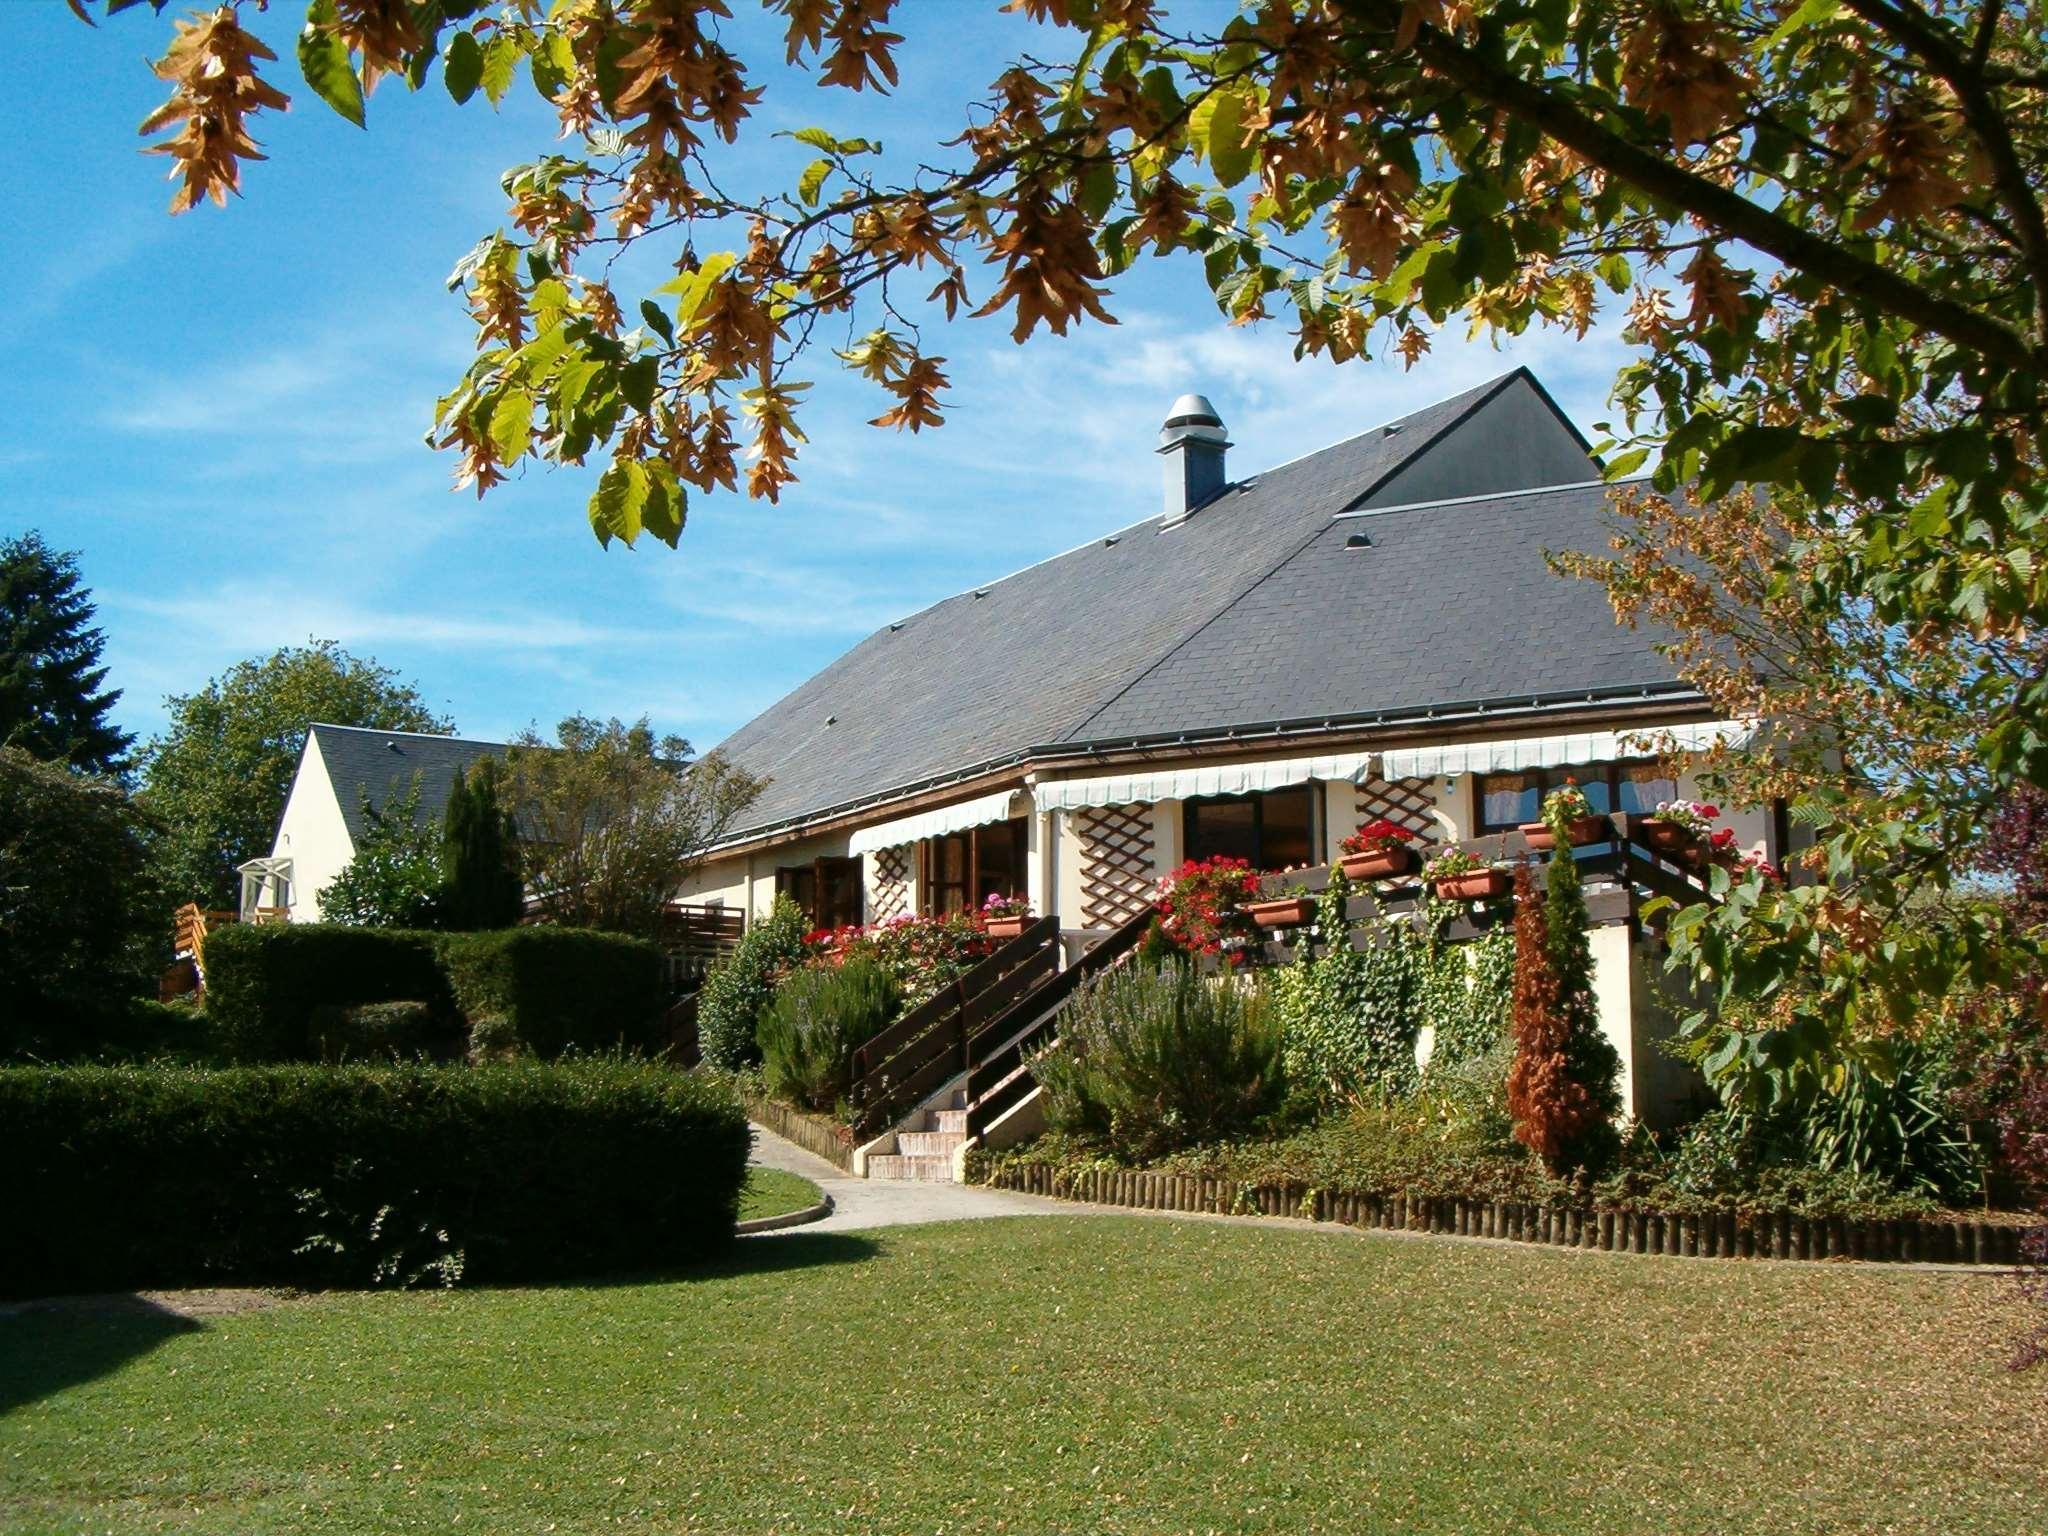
1270, 659
1368, 630
344, 774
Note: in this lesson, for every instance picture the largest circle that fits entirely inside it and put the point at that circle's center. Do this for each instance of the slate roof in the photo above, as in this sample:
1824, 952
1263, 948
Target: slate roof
1248, 612
382, 764
1450, 604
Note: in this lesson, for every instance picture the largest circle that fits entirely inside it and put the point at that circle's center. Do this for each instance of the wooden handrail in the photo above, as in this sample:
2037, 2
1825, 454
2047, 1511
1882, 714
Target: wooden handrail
905, 1062
997, 1053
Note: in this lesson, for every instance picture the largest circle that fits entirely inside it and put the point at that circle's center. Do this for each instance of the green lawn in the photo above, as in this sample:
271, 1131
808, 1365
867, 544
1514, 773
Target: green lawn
1052, 1374
772, 1192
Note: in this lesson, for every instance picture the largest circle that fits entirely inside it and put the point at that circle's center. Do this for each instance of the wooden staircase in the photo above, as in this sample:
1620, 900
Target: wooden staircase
933, 1082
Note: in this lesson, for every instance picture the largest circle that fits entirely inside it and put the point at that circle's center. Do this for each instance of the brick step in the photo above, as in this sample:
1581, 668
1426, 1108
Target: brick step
921, 1170
929, 1143
948, 1120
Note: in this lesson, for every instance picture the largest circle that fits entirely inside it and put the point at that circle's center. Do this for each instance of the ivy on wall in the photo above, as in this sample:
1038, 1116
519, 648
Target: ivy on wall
1351, 1012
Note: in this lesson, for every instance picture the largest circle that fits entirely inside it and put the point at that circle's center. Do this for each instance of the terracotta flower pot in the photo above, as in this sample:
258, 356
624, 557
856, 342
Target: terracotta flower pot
1581, 830
1008, 927
1287, 912
1675, 842
1380, 864
1478, 885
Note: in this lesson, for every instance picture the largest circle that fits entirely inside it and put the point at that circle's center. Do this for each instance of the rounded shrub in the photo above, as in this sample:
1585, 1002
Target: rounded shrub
1154, 1059
820, 1015
738, 986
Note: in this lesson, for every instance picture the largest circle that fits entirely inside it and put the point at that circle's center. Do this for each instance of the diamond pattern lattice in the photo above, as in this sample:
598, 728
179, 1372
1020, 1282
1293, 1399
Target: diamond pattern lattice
1405, 802
889, 896
1116, 863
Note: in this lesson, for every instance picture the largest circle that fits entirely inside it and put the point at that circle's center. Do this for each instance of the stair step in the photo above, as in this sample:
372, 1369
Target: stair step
948, 1120
930, 1143
921, 1170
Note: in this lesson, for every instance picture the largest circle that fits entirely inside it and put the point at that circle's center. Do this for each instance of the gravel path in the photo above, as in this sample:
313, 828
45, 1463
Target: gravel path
862, 1203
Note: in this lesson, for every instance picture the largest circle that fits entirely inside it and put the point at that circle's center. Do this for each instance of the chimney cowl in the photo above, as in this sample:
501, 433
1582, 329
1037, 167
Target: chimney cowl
1193, 442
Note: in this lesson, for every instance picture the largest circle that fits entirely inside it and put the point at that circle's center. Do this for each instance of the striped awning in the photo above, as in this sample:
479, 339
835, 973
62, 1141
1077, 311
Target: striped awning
1186, 783
947, 818
1562, 751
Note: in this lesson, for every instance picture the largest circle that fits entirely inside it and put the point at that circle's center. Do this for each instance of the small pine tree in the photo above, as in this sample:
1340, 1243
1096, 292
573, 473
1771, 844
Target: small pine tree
51, 702
1553, 1112
480, 853
1589, 1055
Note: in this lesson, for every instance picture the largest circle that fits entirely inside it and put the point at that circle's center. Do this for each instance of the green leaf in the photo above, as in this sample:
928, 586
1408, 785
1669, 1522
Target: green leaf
658, 321
511, 422
637, 380
1216, 127
813, 179
554, 65
1627, 464
501, 63
323, 60
463, 67
817, 138
1810, 14
615, 509
1098, 190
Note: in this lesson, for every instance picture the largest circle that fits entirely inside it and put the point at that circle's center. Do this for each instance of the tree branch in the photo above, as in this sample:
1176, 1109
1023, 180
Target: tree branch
1497, 84
1964, 73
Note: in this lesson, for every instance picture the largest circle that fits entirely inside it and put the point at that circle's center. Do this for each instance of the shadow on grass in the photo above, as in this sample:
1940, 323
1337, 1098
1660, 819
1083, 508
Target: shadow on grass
46, 1347
760, 1254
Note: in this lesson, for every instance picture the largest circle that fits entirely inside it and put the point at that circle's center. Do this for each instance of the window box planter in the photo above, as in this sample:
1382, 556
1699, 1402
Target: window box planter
1004, 929
1579, 831
1284, 912
1382, 864
1680, 844
1476, 885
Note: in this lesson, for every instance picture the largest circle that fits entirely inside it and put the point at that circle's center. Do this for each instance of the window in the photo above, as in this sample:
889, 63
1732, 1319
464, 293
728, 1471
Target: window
1268, 831
1507, 800
964, 869
828, 890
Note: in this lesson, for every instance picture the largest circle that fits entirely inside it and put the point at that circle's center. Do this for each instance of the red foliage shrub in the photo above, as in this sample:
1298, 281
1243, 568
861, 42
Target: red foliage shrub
1555, 1114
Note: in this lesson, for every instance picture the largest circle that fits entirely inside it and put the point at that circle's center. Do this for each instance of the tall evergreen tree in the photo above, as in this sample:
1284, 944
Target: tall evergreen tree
52, 703
478, 852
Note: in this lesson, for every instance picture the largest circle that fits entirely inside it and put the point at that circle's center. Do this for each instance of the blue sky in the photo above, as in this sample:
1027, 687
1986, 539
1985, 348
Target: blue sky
222, 413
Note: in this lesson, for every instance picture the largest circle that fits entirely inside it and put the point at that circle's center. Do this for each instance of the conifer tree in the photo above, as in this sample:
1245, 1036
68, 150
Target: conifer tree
479, 854
1555, 1115
1590, 1056
52, 703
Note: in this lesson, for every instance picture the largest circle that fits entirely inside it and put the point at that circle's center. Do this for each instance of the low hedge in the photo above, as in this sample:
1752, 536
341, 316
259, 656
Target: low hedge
273, 990
264, 981
548, 990
121, 1178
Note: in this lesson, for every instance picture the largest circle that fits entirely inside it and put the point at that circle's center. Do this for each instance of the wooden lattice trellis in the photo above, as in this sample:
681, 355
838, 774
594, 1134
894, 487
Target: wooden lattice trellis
1116, 863
1405, 802
889, 896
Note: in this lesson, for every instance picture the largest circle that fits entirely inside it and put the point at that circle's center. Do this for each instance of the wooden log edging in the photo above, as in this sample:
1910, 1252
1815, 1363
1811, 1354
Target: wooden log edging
814, 1133
1684, 1234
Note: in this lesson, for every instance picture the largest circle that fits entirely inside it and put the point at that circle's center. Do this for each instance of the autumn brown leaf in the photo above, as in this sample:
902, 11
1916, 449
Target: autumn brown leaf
211, 64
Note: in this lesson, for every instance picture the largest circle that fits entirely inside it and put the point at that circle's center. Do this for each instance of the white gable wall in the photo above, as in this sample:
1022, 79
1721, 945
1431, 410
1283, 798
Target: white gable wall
312, 834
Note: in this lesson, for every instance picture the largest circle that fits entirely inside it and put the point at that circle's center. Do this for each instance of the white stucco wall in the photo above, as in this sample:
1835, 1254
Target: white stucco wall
312, 834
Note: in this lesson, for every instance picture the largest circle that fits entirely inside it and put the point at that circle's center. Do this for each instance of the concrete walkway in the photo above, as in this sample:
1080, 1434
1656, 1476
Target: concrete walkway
861, 1203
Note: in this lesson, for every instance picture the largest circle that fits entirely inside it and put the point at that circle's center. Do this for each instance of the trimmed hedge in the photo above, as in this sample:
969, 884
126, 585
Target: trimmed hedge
123, 1178
549, 990
265, 980
273, 990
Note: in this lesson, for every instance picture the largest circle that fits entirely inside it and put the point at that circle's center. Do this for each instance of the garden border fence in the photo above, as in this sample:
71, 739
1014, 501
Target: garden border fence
1707, 1234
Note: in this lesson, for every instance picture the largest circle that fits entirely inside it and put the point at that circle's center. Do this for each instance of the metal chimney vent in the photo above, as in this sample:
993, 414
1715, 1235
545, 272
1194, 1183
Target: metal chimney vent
1192, 442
